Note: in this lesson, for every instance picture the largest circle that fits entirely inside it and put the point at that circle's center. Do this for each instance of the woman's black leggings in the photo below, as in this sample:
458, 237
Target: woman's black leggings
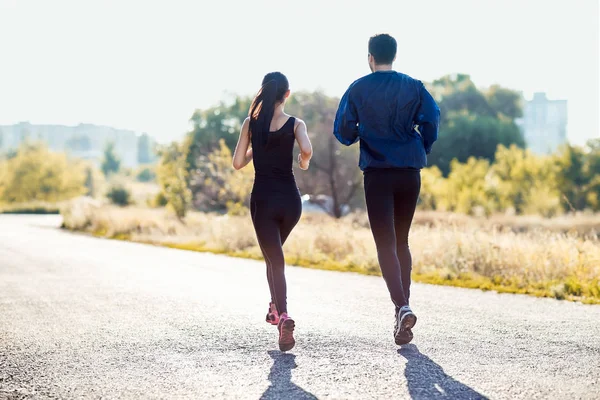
274, 217
391, 196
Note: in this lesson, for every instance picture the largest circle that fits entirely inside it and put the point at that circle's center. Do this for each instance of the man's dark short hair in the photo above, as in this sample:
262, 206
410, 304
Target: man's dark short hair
383, 48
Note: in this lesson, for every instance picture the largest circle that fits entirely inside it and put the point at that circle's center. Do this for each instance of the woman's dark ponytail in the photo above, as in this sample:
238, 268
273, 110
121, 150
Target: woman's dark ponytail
273, 90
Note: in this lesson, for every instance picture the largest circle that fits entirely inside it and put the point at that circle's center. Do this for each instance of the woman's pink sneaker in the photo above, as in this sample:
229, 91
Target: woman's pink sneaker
272, 315
286, 332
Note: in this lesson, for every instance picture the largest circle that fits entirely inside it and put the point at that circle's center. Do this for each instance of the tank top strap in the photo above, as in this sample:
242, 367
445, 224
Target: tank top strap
291, 122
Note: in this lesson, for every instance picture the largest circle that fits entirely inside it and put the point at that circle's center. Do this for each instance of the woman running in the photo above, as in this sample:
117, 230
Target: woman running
267, 137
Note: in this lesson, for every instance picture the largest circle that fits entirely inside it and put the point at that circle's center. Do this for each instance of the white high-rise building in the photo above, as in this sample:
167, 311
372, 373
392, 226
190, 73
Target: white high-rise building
544, 124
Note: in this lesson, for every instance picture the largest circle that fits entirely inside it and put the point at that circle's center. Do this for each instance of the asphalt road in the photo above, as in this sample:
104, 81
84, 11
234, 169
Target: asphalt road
88, 318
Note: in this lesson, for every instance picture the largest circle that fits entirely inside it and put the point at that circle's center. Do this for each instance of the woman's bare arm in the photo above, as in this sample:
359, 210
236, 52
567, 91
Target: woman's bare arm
243, 153
306, 151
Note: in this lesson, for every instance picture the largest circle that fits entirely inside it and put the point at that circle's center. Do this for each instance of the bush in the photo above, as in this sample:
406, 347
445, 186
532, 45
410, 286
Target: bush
518, 181
146, 175
119, 195
172, 177
432, 188
38, 174
159, 200
217, 186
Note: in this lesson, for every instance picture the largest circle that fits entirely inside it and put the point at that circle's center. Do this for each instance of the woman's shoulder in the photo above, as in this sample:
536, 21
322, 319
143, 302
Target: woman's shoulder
297, 121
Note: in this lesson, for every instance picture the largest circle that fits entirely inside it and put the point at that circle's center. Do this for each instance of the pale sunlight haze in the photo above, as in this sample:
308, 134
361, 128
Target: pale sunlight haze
146, 65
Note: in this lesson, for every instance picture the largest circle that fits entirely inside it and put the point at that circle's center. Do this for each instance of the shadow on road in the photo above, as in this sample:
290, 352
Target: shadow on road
280, 376
427, 380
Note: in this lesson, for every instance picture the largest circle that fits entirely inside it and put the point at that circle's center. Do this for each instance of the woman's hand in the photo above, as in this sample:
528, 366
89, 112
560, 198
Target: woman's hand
303, 163
243, 153
306, 151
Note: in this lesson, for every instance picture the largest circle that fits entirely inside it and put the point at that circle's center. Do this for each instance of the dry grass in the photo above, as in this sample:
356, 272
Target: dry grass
143, 192
582, 224
507, 254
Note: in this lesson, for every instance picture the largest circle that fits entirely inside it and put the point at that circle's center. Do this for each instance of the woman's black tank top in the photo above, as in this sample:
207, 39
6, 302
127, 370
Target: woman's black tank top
273, 161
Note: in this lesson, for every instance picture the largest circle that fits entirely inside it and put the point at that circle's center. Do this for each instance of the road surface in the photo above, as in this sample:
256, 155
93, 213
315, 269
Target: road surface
89, 318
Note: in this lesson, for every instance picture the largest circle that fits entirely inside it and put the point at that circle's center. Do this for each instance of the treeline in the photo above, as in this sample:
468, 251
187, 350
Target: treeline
478, 165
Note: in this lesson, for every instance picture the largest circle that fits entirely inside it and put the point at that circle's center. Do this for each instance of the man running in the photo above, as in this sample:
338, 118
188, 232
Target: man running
396, 120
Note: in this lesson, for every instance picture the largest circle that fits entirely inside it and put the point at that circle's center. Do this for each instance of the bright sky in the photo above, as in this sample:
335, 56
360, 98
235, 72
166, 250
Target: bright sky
146, 65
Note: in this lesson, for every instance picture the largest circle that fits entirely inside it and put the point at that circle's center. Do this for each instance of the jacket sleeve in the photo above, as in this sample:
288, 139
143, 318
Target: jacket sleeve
427, 118
345, 126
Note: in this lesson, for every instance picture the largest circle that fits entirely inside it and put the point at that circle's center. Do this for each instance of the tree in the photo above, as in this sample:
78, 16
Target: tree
473, 123
469, 135
334, 170
146, 175
94, 180
210, 126
111, 162
432, 188
505, 102
457, 94
525, 182
172, 177
593, 170
217, 186
579, 176
89, 182
145, 153
467, 188
37, 174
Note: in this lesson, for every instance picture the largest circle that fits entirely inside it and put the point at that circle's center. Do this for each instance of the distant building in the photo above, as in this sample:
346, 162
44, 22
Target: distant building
84, 141
544, 124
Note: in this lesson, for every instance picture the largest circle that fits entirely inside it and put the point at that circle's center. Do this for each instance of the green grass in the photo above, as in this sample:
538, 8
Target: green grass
30, 208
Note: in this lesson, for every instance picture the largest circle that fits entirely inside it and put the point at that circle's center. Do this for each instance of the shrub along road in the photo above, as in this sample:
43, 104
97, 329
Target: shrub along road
87, 318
